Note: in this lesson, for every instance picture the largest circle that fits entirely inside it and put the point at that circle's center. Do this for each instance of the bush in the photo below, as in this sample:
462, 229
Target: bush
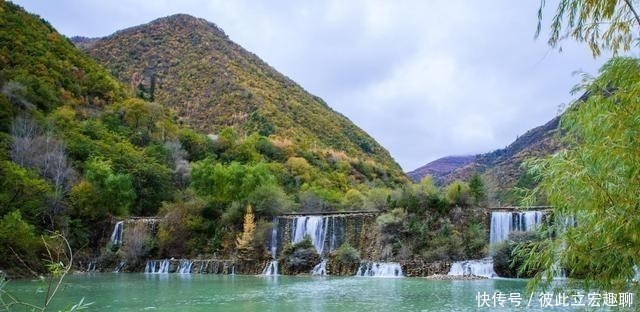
390, 221
504, 262
458, 193
270, 200
17, 239
475, 240
446, 244
16, 234
300, 258
346, 254
137, 244
181, 229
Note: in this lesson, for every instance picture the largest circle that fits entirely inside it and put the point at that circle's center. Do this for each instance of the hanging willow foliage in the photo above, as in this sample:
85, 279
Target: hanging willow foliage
602, 24
594, 185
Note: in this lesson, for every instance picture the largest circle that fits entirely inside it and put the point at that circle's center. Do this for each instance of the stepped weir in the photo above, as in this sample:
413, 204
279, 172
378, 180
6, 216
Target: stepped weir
504, 221
327, 232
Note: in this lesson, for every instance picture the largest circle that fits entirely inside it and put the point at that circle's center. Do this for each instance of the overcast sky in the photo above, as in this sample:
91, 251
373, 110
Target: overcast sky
426, 79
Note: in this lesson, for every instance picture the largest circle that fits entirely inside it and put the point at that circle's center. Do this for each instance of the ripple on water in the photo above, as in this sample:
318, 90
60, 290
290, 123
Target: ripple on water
138, 292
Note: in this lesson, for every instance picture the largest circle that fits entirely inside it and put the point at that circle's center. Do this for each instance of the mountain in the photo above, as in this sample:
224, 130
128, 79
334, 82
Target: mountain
191, 66
44, 68
501, 169
440, 167
79, 149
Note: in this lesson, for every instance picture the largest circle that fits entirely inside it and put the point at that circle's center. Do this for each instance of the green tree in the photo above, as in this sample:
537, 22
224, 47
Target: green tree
270, 200
16, 236
234, 182
354, 200
457, 193
22, 189
476, 188
198, 146
377, 199
428, 186
594, 182
602, 24
182, 231
505, 262
112, 193
299, 169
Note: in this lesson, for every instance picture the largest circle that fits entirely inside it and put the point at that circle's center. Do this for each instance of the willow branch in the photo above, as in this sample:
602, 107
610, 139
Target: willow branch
635, 14
23, 263
67, 269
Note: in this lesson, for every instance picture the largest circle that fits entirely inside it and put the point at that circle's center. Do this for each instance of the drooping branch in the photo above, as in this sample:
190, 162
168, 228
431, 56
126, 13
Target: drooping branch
632, 9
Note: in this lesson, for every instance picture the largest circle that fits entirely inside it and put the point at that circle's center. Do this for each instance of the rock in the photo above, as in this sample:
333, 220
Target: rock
443, 277
301, 261
421, 268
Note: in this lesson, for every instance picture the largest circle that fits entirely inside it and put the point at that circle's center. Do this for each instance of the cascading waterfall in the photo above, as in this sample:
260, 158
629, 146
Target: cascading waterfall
157, 266
482, 267
505, 222
379, 269
91, 267
320, 269
119, 267
317, 228
502, 224
185, 267
116, 236
564, 223
334, 239
272, 267
274, 238
313, 226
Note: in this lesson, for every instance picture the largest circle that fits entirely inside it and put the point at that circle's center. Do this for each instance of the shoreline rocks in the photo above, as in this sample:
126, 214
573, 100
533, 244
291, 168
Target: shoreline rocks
443, 277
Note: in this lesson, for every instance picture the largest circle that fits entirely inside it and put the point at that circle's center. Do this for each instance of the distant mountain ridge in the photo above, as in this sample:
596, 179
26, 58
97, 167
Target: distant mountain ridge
501, 169
191, 66
440, 167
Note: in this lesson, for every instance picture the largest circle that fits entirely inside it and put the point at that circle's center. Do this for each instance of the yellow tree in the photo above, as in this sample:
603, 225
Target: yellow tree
243, 242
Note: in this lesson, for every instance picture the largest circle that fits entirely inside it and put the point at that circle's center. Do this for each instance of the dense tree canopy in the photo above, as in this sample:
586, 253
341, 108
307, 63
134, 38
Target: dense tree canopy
594, 184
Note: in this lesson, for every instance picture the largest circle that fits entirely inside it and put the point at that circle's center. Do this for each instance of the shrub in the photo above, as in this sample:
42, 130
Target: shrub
504, 262
475, 240
301, 257
390, 221
458, 193
181, 228
446, 244
137, 244
346, 254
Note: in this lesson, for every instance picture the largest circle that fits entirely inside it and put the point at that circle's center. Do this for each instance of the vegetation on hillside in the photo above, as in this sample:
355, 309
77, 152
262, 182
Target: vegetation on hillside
424, 221
78, 150
210, 82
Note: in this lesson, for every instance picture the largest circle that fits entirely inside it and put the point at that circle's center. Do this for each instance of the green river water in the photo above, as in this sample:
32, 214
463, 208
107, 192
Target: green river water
195, 292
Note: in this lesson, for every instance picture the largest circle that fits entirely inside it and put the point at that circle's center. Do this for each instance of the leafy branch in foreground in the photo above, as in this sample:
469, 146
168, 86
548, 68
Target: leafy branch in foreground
593, 185
602, 24
59, 263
